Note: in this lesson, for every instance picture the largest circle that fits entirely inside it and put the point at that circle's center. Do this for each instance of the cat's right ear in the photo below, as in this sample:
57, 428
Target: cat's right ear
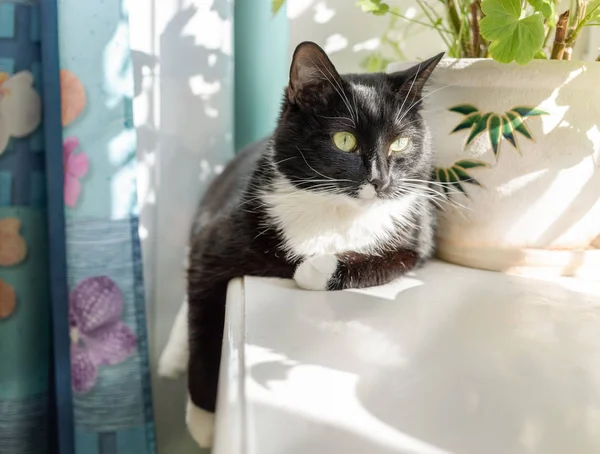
312, 76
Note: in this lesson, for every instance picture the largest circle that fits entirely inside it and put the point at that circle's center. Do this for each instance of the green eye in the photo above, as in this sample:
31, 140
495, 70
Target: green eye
345, 141
399, 145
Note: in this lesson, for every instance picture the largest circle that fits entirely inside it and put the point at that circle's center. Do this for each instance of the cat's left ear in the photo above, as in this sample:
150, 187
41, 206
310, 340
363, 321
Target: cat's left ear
413, 80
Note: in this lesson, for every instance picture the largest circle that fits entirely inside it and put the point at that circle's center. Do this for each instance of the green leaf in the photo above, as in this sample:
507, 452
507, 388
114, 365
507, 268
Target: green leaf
540, 55
453, 180
507, 131
592, 16
546, 7
525, 111
376, 7
464, 176
470, 164
479, 127
518, 125
494, 127
442, 177
464, 109
512, 36
276, 5
469, 121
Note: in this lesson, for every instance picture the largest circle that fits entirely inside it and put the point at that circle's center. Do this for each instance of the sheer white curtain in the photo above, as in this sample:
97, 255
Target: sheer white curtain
182, 52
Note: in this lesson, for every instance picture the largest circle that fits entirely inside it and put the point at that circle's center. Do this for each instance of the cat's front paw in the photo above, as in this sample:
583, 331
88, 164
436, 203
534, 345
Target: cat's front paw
201, 425
316, 273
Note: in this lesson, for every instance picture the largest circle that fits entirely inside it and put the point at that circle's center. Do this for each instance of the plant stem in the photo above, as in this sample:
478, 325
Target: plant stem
577, 16
433, 12
567, 53
570, 41
582, 23
475, 29
422, 5
415, 21
464, 35
558, 48
574, 16
548, 33
453, 16
394, 46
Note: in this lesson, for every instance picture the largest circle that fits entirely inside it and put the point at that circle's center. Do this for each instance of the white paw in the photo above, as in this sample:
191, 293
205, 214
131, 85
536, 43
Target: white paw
172, 364
201, 425
174, 358
316, 272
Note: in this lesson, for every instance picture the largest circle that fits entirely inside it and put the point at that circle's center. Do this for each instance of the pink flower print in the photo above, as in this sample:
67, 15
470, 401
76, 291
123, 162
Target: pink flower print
98, 336
75, 167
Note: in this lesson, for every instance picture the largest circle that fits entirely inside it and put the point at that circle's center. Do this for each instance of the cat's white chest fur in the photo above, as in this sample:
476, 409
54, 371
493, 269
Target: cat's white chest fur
314, 223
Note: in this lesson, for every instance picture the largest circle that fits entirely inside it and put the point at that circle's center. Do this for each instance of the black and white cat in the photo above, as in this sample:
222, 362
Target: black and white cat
339, 197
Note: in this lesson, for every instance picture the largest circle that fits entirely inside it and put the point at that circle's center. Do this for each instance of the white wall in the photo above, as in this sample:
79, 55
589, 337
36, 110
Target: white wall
593, 48
348, 34
182, 54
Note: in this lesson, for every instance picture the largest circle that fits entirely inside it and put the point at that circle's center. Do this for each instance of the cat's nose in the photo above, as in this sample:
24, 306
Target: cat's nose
380, 183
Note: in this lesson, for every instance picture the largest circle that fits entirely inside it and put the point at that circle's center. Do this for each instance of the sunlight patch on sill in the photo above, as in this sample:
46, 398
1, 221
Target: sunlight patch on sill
392, 290
321, 395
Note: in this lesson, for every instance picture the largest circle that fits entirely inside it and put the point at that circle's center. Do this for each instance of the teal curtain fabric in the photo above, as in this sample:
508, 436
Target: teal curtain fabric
110, 376
68, 209
261, 68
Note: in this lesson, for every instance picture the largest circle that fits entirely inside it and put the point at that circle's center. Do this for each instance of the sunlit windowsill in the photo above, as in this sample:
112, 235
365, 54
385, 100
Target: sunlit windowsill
450, 360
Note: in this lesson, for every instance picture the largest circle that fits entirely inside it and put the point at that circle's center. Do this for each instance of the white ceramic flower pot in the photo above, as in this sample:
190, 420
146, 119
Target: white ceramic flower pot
523, 169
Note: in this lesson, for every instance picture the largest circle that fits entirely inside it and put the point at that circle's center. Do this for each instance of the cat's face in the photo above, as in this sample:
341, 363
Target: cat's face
360, 136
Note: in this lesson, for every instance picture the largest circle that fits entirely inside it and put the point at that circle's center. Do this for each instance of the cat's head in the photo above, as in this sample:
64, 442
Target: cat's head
358, 135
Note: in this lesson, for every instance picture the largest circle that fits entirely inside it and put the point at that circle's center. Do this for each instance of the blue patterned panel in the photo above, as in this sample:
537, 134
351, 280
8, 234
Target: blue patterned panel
20, 51
7, 20
124, 441
36, 140
86, 442
38, 190
15, 28
18, 160
25, 335
35, 26
116, 399
7, 65
5, 188
63, 438
25, 342
24, 425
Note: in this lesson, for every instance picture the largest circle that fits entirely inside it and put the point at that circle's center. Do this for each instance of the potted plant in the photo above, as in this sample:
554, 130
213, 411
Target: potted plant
516, 123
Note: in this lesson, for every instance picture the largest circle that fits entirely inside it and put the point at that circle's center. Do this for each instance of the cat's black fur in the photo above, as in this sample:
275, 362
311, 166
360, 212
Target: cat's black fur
236, 233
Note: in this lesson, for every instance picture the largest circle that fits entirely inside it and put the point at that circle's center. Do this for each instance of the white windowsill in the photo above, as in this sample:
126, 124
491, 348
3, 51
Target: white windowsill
450, 360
